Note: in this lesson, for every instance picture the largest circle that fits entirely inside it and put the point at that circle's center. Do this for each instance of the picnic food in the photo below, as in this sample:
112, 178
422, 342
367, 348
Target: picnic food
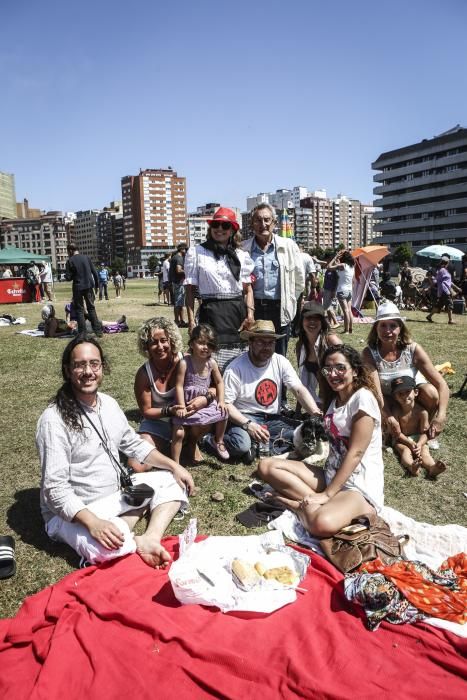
283, 574
245, 573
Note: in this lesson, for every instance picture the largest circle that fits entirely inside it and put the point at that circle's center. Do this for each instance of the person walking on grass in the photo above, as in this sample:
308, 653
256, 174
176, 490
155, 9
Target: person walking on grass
444, 286
103, 275
81, 271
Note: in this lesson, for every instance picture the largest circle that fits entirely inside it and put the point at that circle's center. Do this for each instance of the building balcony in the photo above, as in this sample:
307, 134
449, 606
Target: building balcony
434, 162
420, 182
425, 208
400, 200
427, 223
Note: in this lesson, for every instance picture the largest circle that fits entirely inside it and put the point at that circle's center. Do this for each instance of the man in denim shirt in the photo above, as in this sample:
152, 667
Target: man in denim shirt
278, 274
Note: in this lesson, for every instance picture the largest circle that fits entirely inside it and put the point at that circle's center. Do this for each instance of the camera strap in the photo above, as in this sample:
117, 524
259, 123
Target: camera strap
123, 472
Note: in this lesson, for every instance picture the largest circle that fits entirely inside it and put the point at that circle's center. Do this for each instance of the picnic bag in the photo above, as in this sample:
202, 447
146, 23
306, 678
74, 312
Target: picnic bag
348, 550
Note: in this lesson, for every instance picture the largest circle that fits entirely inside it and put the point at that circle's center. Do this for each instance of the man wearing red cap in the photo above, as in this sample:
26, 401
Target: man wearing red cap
221, 271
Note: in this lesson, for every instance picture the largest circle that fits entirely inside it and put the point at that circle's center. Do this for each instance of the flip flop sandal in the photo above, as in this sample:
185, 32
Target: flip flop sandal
261, 491
7, 557
259, 514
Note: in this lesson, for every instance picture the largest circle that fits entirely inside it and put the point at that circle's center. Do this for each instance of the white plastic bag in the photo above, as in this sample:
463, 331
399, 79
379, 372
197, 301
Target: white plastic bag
202, 574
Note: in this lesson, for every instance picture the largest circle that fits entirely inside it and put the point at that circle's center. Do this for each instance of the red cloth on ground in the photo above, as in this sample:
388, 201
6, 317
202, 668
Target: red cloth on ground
118, 631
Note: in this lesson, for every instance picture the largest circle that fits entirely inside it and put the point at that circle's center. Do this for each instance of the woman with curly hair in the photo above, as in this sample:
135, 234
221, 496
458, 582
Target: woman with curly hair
391, 353
352, 482
159, 340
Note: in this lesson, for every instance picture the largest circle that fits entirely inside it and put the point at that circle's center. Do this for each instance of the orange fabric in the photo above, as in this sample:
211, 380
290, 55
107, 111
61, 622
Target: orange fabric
429, 597
373, 253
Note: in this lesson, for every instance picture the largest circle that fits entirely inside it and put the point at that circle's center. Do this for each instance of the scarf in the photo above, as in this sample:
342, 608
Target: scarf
232, 258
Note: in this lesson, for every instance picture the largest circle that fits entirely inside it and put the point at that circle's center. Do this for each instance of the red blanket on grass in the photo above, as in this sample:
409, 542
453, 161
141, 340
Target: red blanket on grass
118, 631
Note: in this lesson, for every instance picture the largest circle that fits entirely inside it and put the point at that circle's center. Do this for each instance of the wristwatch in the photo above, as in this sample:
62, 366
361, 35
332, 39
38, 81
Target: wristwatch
245, 425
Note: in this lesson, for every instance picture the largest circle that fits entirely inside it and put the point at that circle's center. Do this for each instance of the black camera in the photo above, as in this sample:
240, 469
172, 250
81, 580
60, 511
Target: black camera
136, 494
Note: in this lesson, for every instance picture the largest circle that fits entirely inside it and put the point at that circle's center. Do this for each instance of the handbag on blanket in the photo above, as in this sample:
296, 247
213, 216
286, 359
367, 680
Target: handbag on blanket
367, 538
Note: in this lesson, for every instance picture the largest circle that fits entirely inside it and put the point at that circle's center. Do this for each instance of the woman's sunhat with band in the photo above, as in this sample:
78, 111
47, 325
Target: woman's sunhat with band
223, 214
388, 311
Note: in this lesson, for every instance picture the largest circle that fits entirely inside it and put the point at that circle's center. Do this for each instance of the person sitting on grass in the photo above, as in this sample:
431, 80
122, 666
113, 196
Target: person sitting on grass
55, 327
193, 379
79, 437
352, 482
411, 443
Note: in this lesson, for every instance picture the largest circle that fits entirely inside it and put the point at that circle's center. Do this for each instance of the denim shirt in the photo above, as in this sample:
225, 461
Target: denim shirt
266, 271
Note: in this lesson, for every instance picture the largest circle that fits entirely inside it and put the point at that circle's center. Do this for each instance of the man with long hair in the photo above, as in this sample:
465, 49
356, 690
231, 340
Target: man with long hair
79, 437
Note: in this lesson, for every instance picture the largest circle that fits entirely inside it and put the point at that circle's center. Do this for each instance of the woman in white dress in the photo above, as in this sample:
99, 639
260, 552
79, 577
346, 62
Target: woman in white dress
352, 482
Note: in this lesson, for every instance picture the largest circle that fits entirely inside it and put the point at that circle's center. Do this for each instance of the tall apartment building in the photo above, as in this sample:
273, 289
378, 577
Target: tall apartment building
85, 233
7, 196
44, 235
347, 223
154, 215
422, 192
280, 199
368, 221
321, 221
110, 243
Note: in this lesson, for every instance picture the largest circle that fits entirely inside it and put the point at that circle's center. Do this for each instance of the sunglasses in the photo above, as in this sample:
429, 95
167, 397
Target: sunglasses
221, 224
338, 369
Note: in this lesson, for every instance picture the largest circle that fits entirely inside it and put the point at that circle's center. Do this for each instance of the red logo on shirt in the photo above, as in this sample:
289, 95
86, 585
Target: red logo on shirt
266, 392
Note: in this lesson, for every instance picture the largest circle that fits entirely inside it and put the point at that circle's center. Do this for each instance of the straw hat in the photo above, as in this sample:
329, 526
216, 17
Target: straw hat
261, 329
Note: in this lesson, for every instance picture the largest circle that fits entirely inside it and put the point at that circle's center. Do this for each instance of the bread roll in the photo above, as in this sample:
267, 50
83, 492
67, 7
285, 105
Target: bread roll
244, 574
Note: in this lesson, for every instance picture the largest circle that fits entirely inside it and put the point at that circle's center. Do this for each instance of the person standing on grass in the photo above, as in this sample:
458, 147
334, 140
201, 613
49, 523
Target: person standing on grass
103, 275
444, 285
118, 283
81, 271
177, 277
343, 263
79, 437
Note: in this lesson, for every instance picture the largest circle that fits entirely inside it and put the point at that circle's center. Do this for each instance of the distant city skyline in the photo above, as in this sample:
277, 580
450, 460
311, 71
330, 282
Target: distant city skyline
239, 98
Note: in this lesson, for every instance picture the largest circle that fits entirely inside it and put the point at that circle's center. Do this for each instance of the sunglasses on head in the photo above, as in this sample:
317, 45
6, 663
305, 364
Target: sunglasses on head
224, 225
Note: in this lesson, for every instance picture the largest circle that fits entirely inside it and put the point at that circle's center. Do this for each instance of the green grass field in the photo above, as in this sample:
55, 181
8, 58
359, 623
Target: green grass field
30, 376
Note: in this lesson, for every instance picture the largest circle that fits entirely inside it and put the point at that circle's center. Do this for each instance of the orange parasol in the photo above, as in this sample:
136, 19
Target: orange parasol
373, 253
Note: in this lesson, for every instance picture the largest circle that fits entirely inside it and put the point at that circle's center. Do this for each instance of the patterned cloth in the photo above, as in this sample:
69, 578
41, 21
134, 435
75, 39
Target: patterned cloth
441, 593
380, 599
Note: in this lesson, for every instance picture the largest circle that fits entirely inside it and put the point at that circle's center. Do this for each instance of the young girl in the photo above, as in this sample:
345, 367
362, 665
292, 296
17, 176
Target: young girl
193, 378
352, 482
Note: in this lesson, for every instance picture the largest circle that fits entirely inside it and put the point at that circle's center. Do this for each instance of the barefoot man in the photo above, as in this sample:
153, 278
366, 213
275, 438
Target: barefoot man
79, 437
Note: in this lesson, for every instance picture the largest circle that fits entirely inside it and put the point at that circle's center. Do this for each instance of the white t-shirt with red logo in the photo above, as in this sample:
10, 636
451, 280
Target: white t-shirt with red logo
258, 389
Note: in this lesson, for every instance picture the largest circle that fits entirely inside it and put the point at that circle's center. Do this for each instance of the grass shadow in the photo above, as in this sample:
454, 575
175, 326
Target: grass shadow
133, 414
24, 517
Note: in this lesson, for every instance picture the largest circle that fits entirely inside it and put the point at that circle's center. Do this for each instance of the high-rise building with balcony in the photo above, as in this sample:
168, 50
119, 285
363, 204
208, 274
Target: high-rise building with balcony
421, 192
7, 196
110, 233
154, 215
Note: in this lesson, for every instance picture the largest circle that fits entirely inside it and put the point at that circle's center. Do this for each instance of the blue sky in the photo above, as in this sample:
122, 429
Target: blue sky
238, 97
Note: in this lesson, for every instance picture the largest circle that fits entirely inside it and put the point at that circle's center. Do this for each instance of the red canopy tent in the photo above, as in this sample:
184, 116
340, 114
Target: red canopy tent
366, 259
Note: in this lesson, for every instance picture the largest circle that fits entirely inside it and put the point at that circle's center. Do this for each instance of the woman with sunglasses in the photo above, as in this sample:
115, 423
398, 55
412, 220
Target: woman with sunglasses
221, 271
352, 482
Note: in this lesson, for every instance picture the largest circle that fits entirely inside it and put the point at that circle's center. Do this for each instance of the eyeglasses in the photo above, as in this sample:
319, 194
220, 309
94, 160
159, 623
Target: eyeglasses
338, 369
80, 367
224, 225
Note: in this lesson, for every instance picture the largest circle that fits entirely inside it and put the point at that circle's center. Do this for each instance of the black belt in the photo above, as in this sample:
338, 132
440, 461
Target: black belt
266, 302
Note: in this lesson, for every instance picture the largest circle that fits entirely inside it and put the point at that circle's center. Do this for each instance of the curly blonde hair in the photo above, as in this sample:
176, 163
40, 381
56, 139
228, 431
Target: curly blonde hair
155, 324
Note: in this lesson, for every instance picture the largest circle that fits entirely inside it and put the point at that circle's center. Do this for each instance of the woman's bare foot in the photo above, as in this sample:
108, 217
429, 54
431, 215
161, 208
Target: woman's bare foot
152, 552
438, 468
